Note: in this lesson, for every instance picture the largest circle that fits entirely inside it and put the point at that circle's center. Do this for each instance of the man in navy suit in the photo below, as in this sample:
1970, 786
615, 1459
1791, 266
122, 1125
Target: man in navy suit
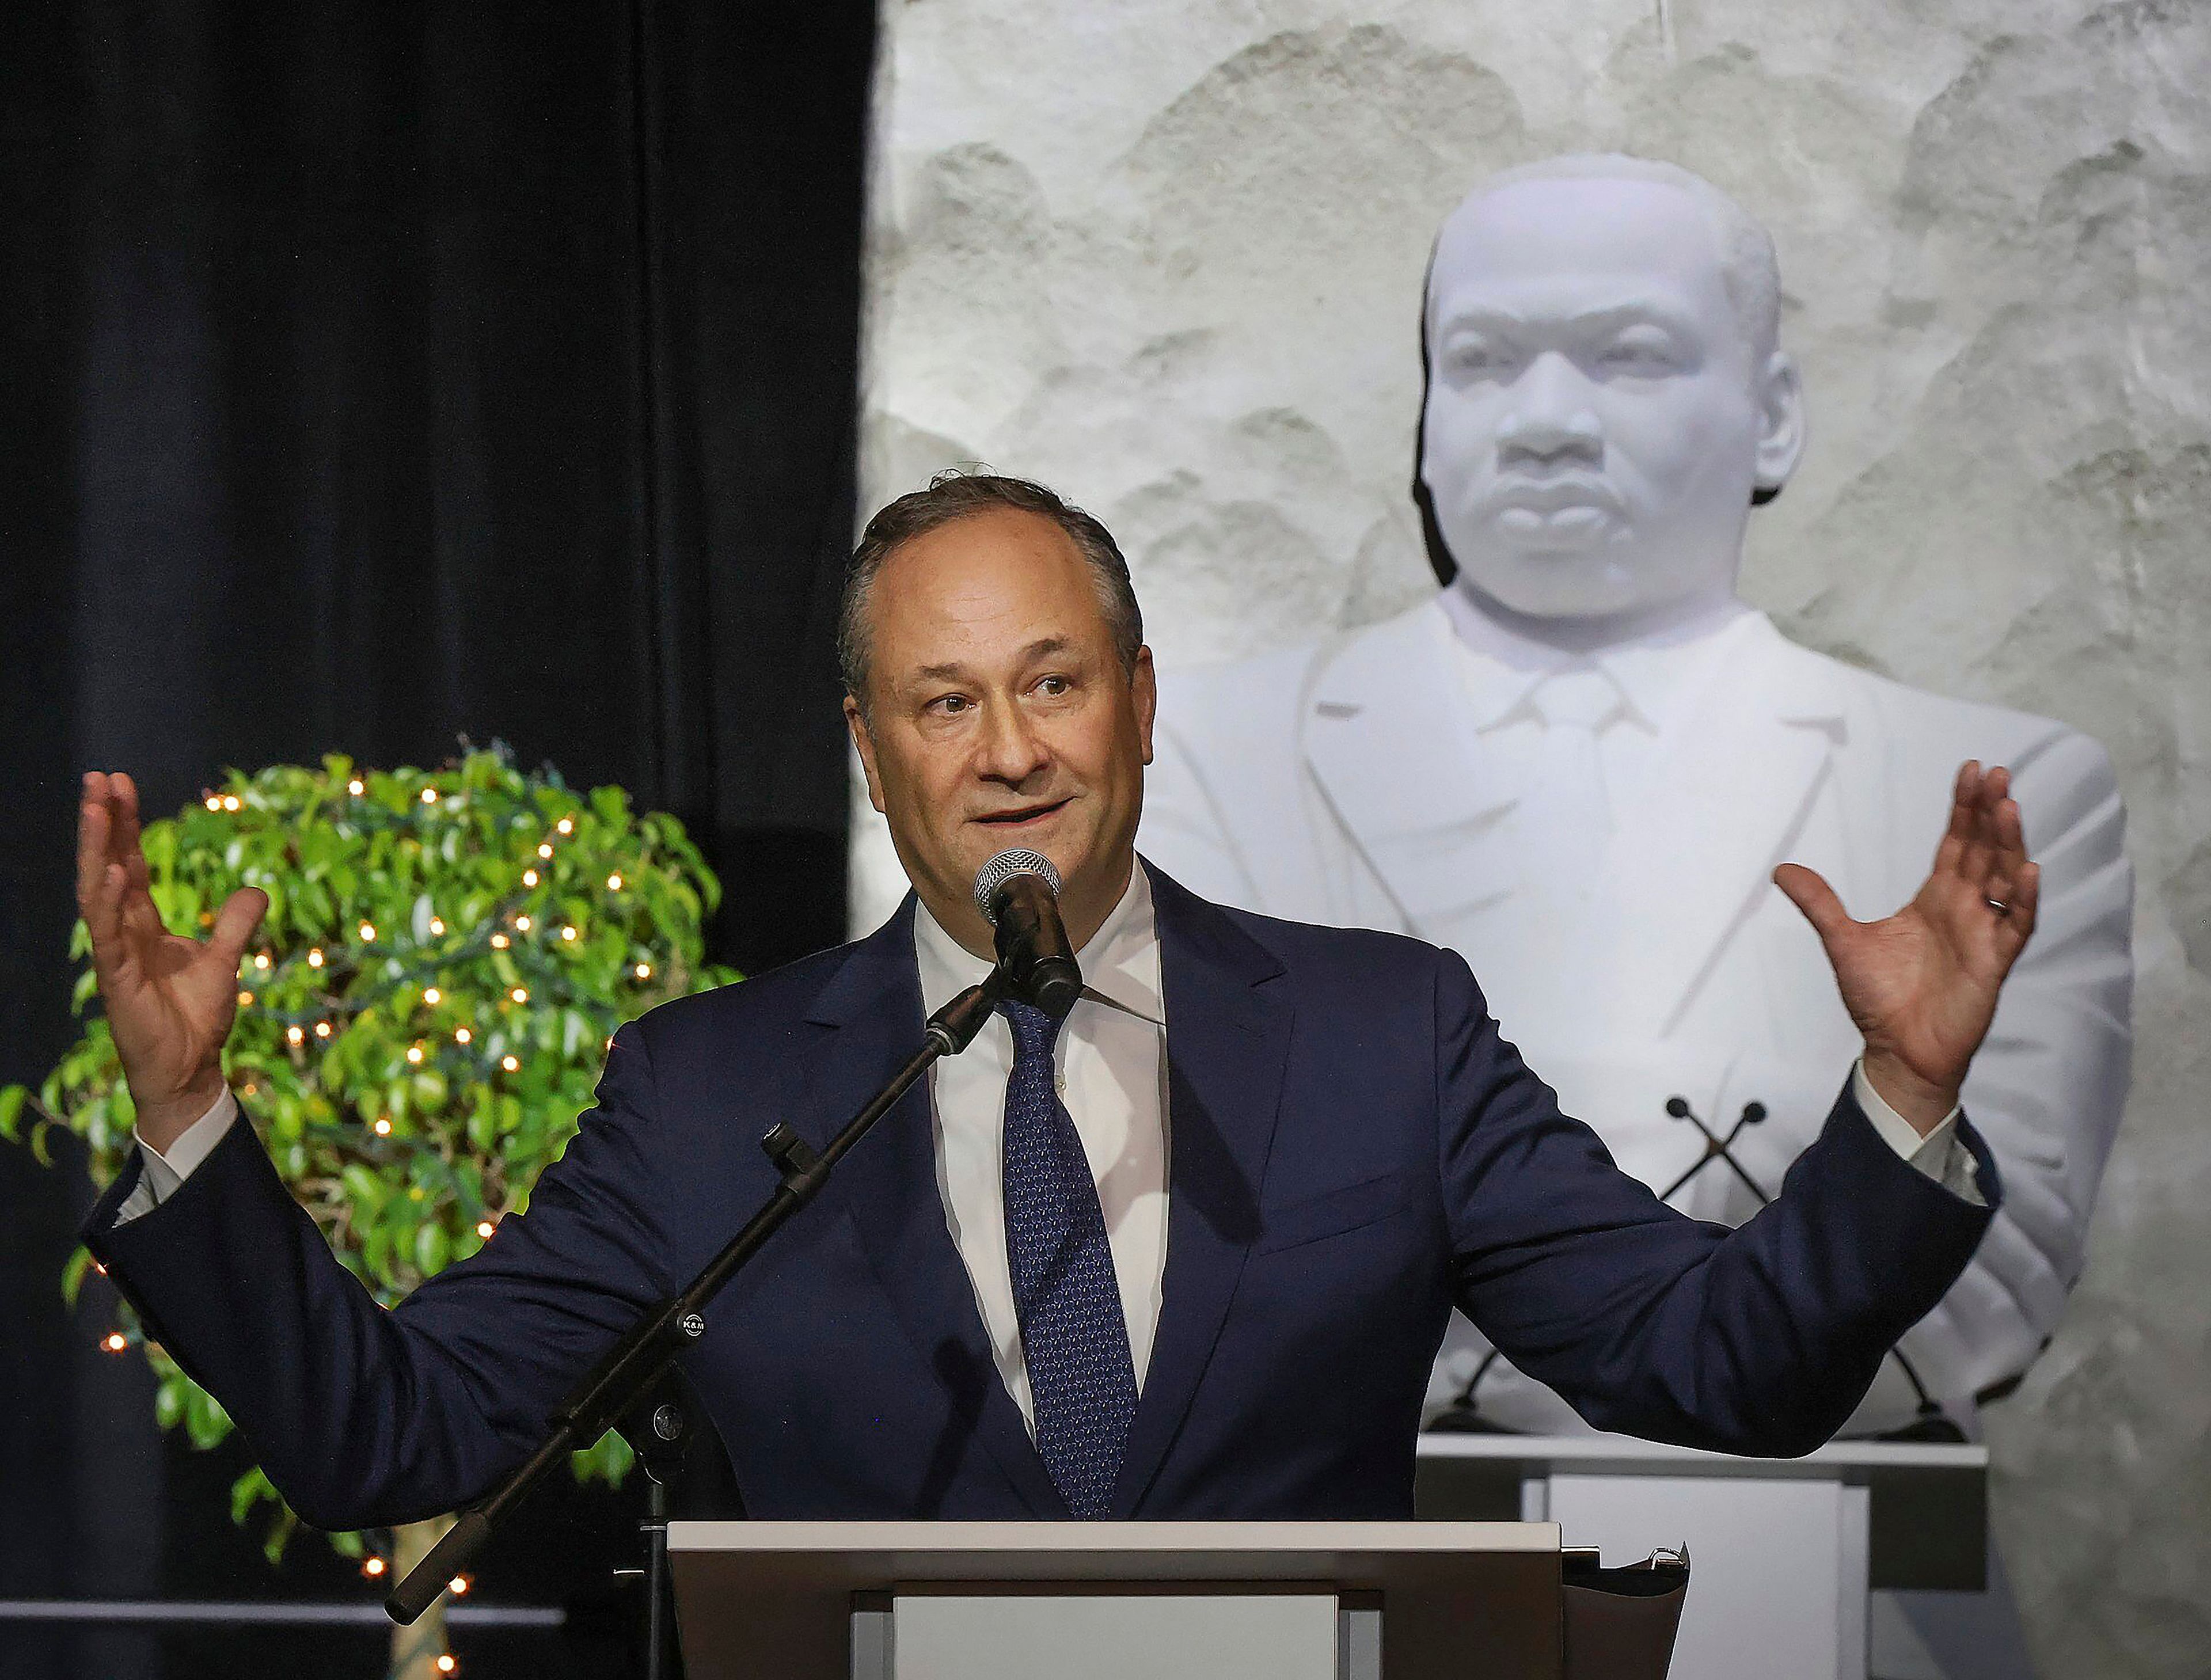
1188, 1254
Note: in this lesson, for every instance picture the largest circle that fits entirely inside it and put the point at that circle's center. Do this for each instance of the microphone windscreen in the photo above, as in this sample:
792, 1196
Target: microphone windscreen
1002, 869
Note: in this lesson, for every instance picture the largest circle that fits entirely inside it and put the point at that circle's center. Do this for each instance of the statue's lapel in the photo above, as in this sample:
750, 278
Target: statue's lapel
1385, 728
1743, 771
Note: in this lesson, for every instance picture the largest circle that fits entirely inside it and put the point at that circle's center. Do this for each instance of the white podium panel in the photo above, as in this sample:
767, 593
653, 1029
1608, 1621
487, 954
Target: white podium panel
1225, 1636
1788, 1556
777, 1601
1785, 1551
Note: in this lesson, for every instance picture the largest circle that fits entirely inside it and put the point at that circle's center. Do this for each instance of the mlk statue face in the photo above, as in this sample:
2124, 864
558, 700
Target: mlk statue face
1605, 394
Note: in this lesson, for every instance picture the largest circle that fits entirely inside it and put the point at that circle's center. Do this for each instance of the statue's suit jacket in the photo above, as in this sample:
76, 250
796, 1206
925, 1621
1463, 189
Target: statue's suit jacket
1352, 1149
1326, 783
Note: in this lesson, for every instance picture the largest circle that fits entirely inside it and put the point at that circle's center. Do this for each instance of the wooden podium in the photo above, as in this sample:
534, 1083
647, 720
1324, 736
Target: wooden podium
1205, 1600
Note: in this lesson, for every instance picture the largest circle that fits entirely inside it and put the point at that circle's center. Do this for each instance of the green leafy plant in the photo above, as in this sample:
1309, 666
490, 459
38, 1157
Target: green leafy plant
423, 1017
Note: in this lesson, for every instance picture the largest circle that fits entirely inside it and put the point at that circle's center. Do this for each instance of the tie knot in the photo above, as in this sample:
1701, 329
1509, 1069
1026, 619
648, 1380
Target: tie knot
1035, 1032
1581, 698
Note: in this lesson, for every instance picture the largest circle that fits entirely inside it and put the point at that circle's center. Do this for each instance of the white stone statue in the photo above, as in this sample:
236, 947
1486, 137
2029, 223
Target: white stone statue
1579, 765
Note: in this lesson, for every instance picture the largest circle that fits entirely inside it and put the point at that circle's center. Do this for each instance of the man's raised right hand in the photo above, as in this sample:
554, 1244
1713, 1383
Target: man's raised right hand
171, 999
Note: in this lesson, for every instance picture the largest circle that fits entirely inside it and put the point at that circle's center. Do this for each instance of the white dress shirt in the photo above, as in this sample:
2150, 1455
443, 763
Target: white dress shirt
1112, 1078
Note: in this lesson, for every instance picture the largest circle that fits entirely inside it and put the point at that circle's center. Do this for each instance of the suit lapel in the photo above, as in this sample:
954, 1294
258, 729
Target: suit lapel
872, 1009
1425, 837
1229, 1037
1740, 782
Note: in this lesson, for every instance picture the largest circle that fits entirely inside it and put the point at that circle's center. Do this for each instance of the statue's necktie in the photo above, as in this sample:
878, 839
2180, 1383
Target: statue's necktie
1073, 1338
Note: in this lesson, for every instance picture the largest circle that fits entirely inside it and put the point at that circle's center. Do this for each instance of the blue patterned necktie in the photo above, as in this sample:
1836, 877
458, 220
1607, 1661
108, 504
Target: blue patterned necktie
1075, 1341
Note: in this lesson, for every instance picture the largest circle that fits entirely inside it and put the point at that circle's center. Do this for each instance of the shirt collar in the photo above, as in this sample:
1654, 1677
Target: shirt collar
1120, 961
1499, 668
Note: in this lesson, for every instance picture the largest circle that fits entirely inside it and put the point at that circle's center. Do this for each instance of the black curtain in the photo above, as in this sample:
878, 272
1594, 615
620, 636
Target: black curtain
377, 376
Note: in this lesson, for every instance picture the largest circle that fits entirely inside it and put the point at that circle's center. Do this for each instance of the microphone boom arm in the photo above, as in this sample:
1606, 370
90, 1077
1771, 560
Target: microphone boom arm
636, 1361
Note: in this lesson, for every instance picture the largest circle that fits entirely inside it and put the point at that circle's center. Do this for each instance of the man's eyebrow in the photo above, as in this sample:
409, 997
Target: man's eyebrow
952, 670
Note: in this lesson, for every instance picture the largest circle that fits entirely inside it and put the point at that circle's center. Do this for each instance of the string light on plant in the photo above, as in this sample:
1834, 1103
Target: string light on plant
500, 941
520, 994
644, 971
381, 860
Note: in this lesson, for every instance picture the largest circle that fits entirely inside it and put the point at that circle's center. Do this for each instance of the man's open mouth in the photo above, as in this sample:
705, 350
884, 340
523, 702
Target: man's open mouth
1022, 814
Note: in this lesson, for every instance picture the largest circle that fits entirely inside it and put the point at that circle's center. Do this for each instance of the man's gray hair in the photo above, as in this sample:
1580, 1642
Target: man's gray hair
1748, 268
958, 495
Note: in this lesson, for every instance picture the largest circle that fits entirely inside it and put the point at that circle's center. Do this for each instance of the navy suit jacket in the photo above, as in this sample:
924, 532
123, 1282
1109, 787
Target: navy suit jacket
1352, 1149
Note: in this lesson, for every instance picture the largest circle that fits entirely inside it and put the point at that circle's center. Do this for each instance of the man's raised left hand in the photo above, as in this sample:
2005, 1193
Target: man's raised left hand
1922, 985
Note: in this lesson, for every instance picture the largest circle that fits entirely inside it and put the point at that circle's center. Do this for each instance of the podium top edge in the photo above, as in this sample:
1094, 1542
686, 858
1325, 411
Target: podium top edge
1836, 1457
946, 1540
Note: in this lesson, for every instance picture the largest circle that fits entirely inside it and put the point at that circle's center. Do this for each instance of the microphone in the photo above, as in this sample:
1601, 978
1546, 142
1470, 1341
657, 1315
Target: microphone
1018, 893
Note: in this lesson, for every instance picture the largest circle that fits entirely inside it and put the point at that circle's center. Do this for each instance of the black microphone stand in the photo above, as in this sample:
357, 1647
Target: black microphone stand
637, 1361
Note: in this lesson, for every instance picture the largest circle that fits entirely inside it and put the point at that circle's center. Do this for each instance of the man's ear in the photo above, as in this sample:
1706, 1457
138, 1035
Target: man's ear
1144, 685
856, 723
1780, 424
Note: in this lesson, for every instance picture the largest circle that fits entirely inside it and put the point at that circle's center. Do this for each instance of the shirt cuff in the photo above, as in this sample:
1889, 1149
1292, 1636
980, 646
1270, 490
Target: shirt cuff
160, 1174
1939, 1155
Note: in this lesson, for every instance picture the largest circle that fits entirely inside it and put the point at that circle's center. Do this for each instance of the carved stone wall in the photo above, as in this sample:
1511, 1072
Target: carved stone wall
1166, 255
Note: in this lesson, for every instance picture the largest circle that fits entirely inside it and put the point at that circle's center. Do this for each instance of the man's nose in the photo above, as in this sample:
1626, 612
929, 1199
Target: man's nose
1551, 417
1012, 751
